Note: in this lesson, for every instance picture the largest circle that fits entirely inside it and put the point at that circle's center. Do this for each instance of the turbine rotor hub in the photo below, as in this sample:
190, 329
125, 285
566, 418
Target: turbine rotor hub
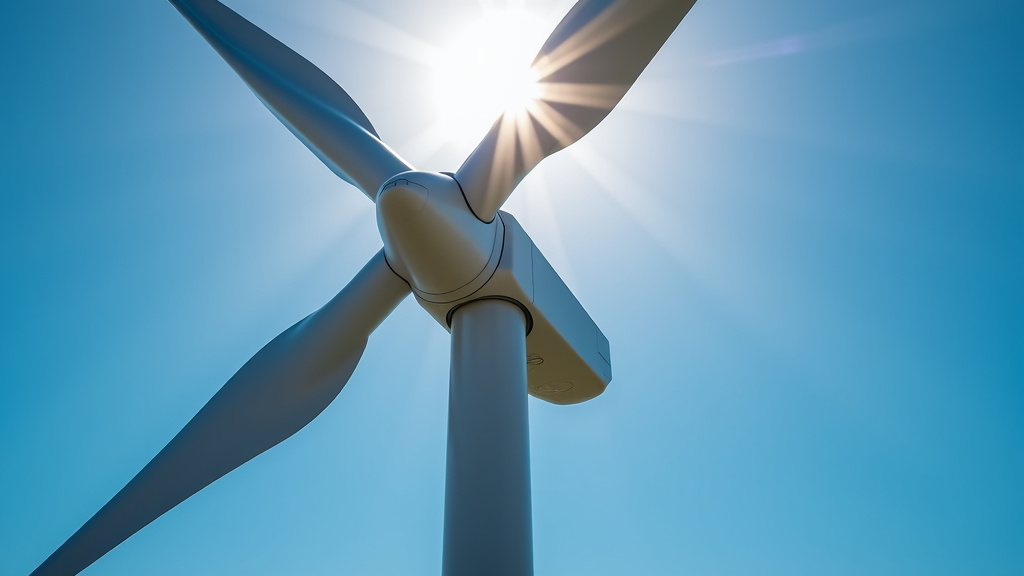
431, 237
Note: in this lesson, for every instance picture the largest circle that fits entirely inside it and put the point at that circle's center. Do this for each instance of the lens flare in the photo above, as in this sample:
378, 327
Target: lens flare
486, 72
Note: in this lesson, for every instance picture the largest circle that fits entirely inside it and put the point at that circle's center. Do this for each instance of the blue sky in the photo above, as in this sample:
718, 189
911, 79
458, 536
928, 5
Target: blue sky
802, 232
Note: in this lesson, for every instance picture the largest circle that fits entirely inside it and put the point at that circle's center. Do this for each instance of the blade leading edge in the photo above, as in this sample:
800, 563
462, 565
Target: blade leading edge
276, 393
302, 96
584, 68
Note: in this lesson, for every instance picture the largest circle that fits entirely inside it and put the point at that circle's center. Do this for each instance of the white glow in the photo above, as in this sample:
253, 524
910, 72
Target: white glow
486, 71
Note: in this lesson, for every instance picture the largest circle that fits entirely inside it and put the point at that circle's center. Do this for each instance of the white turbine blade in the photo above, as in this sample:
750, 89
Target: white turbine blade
281, 389
584, 68
301, 95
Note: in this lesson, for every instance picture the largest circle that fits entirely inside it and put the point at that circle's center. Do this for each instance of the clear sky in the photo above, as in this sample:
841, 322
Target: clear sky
802, 232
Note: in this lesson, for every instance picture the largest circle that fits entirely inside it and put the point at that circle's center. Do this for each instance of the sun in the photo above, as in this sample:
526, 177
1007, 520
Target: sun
485, 71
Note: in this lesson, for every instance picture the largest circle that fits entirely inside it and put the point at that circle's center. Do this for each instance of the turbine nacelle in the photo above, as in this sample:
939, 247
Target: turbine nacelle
451, 258
432, 239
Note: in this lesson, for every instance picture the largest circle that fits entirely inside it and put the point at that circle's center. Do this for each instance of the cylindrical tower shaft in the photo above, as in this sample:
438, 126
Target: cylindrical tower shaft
487, 514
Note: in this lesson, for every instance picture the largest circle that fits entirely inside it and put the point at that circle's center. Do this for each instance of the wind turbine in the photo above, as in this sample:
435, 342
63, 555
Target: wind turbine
516, 329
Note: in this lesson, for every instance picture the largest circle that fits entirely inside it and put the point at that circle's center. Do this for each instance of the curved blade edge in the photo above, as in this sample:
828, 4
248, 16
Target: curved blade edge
311, 105
275, 394
585, 67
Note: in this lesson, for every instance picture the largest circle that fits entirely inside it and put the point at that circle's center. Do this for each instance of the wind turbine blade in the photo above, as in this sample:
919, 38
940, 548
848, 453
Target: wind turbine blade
302, 96
584, 68
280, 390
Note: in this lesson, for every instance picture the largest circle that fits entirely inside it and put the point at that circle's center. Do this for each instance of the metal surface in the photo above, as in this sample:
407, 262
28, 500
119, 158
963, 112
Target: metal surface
431, 237
487, 514
569, 356
276, 393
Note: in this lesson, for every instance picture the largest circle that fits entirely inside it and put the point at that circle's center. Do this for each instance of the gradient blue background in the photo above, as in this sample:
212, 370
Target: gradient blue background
802, 231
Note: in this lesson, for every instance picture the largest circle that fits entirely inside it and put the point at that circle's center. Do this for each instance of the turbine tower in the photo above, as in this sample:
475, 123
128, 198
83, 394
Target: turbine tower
516, 329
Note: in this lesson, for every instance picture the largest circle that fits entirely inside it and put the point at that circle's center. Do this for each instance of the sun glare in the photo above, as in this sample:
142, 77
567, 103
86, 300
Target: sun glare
485, 71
